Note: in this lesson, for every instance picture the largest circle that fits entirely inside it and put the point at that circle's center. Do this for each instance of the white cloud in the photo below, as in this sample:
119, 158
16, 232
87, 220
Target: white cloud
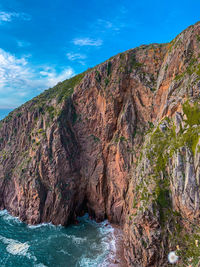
9, 16
12, 70
19, 81
5, 16
87, 42
51, 77
75, 56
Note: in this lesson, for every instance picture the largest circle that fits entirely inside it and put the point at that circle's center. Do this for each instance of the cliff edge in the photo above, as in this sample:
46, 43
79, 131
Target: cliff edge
119, 141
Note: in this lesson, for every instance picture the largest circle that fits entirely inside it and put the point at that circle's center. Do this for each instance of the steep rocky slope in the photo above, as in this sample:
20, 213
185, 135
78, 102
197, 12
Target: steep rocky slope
120, 141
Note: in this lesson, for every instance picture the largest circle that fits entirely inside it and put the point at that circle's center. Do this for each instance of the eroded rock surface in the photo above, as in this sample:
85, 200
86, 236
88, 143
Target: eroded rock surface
120, 141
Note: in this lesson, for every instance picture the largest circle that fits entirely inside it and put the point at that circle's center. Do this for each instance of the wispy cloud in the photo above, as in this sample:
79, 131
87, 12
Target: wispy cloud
20, 81
12, 69
9, 16
50, 77
75, 56
115, 25
87, 42
5, 16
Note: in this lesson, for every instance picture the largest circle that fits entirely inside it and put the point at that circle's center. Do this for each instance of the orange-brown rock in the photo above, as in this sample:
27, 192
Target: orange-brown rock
83, 146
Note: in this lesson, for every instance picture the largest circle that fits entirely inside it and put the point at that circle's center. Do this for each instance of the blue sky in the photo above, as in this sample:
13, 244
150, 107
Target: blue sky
44, 42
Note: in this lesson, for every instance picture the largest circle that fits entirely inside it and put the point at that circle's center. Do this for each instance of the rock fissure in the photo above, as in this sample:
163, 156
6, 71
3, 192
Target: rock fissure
121, 142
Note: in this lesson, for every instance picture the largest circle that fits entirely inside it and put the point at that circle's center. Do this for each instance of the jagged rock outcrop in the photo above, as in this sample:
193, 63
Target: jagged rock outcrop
120, 141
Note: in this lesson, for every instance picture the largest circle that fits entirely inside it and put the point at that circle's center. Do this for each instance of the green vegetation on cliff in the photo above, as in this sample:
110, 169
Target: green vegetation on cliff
162, 144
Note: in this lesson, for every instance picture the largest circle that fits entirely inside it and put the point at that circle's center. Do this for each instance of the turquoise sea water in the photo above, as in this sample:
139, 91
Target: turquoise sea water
87, 244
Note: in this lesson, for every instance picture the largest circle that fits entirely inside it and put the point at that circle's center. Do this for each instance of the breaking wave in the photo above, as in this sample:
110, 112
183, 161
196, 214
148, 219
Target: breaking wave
88, 244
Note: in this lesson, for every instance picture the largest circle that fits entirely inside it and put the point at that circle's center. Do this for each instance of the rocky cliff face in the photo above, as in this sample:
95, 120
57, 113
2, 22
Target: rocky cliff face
120, 141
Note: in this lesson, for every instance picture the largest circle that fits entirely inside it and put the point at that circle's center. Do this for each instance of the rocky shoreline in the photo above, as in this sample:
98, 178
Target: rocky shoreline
121, 142
120, 260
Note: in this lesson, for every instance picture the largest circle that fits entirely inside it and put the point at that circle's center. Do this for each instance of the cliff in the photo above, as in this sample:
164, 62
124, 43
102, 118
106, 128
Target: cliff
120, 141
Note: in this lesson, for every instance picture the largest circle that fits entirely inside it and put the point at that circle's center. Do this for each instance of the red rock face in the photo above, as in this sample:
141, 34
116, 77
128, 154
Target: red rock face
64, 155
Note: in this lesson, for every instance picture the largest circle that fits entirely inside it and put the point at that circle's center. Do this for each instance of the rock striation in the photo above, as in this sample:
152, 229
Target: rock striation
119, 141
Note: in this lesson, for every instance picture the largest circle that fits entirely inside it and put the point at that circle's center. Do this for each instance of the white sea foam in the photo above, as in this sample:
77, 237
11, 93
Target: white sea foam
108, 244
88, 262
15, 247
9, 218
40, 225
40, 265
18, 248
107, 247
3, 212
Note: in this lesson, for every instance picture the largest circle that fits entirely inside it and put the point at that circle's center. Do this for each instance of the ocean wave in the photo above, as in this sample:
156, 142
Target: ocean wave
88, 262
105, 228
109, 242
9, 218
104, 247
6, 216
102, 260
49, 225
3, 212
108, 245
